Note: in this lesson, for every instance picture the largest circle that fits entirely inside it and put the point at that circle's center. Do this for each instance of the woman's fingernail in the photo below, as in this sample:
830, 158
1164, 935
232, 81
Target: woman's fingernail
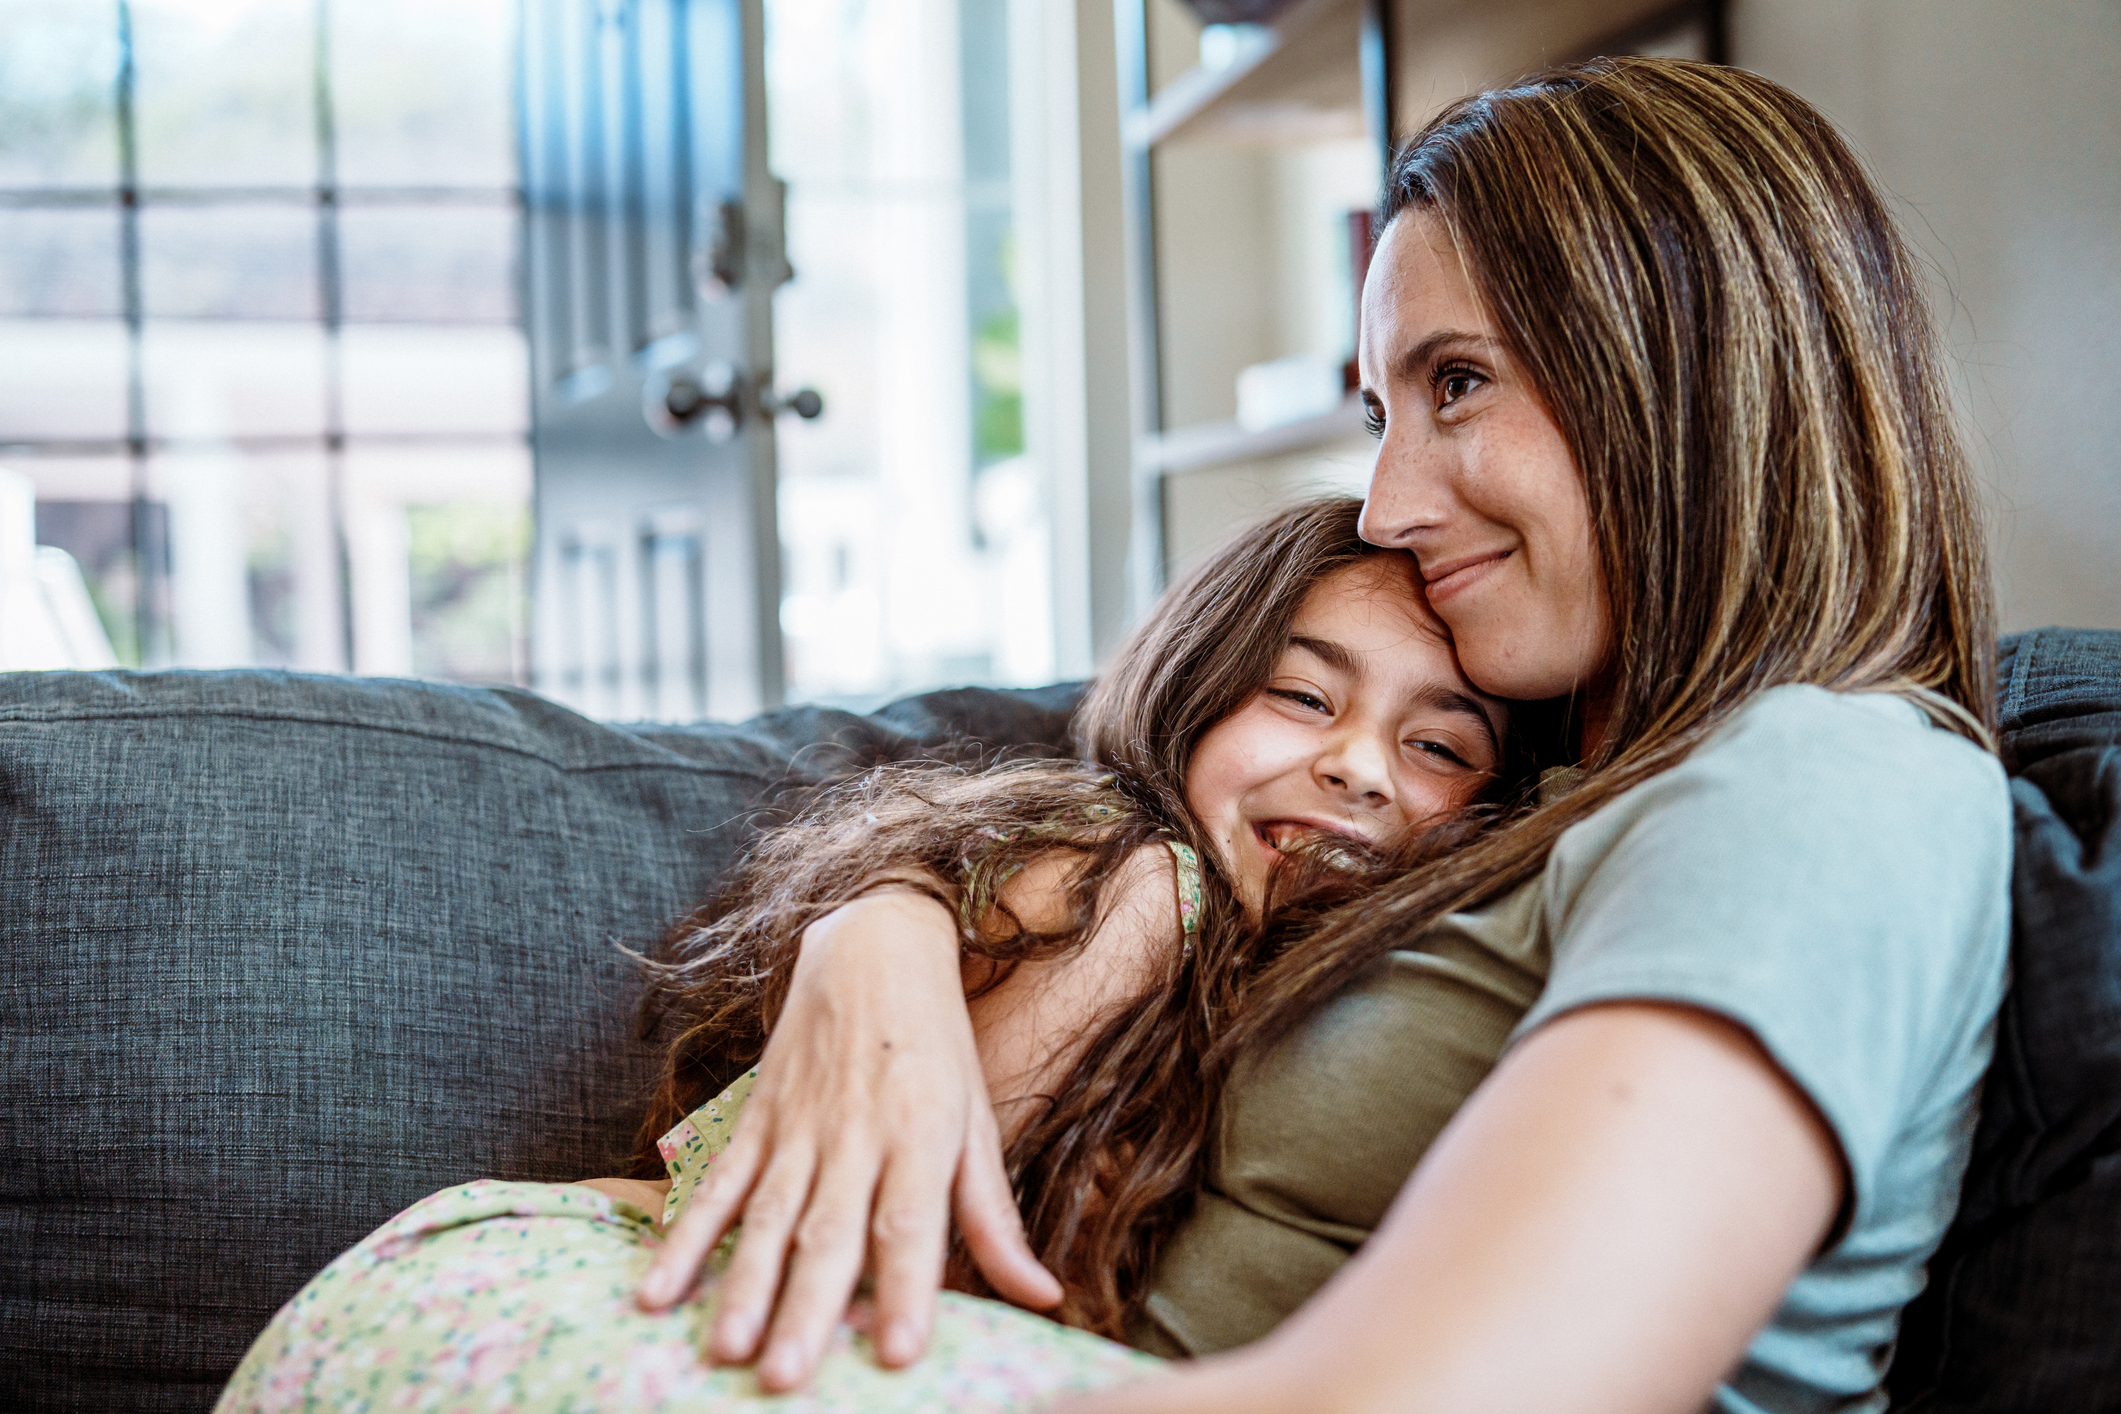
734, 1335
783, 1363
899, 1342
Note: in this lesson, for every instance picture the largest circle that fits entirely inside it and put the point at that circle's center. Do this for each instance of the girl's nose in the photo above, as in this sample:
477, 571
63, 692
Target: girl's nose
1354, 765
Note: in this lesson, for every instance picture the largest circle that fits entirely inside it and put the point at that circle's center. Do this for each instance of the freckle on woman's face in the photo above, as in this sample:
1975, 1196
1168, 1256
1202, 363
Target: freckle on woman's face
1475, 477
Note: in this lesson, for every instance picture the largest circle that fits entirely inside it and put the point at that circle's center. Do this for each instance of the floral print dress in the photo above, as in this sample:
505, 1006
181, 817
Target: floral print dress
518, 1298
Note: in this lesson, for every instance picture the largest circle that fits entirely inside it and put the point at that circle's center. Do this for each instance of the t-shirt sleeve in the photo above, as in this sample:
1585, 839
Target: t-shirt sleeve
1828, 871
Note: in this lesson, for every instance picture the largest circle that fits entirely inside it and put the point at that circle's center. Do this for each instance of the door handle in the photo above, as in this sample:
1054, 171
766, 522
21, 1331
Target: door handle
709, 399
714, 400
806, 403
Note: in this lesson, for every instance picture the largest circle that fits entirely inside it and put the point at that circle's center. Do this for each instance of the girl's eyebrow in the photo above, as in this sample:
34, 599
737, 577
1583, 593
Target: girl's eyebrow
1328, 652
1449, 699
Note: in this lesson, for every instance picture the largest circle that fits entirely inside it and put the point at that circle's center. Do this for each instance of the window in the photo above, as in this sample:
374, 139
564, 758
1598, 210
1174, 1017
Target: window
916, 543
258, 339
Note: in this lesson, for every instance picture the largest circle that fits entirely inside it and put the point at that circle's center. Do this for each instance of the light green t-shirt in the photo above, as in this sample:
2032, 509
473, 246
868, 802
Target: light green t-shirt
1828, 870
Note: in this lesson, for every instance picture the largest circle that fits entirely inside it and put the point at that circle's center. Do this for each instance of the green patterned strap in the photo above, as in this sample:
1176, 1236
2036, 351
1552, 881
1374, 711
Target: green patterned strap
698, 1138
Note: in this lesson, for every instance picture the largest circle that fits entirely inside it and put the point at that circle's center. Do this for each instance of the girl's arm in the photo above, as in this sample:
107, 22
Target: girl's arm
871, 1125
1603, 1227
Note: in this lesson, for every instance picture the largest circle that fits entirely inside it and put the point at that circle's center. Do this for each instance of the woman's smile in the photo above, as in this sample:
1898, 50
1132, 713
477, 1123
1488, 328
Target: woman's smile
1453, 577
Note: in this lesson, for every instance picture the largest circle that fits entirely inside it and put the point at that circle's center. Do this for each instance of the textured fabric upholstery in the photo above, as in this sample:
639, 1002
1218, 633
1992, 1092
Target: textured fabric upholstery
2023, 1310
281, 954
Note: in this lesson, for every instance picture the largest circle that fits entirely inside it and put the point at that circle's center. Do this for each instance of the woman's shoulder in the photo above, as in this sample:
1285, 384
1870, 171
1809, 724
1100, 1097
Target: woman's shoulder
1807, 806
1832, 760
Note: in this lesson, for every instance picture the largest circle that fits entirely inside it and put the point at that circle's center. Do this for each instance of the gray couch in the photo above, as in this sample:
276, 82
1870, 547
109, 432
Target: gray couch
279, 955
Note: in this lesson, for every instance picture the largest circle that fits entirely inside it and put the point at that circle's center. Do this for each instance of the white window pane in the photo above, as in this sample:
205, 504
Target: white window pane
208, 380
436, 542
62, 380
229, 262
60, 261
422, 91
429, 264
224, 92
914, 531
58, 71
402, 379
251, 562
84, 506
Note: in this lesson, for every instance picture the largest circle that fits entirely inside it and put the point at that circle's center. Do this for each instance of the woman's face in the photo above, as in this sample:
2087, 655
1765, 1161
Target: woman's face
1474, 477
1365, 728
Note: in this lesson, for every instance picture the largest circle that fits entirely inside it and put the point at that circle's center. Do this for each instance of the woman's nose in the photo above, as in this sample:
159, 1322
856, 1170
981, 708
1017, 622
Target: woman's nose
1405, 494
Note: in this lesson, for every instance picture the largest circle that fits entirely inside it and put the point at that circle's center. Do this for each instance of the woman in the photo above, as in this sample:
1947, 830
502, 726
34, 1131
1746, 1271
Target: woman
1662, 423
1267, 740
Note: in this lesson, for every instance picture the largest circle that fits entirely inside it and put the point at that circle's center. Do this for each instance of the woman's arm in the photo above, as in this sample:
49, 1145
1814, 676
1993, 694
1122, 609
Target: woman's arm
871, 1123
1604, 1227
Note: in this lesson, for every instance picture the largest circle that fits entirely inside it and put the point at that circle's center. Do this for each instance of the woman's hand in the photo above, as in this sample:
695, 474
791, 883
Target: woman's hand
869, 1125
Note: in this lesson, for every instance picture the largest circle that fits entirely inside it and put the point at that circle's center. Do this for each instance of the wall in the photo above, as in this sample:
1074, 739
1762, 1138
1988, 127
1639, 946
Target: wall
1998, 129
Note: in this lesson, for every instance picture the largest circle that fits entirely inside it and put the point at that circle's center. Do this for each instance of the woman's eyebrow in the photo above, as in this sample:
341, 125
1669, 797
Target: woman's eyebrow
1414, 363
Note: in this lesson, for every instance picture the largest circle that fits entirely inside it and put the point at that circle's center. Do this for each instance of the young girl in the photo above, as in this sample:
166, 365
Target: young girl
1282, 727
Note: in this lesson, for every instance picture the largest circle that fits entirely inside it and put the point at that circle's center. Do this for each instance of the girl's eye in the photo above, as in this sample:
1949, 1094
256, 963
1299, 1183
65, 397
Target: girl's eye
1373, 418
1302, 699
1441, 752
1452, 382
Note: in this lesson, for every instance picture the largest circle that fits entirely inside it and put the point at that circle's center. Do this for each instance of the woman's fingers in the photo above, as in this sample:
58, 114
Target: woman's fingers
753, 1280
710, 1212
994, 1229
909, 1237
831, 1241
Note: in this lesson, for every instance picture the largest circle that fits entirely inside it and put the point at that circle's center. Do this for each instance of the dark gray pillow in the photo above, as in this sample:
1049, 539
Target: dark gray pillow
281, 954
2023, 1311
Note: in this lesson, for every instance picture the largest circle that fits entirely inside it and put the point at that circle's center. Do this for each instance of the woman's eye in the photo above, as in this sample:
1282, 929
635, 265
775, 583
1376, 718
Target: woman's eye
1453, 383
1302, 699
1373, 419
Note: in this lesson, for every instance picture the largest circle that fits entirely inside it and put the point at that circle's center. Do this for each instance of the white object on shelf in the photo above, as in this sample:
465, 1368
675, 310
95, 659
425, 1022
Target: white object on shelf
1213, 444
1286, 390
46, 617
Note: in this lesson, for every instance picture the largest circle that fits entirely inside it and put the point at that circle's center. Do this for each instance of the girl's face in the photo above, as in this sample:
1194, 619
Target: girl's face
1475, 478
1365, 728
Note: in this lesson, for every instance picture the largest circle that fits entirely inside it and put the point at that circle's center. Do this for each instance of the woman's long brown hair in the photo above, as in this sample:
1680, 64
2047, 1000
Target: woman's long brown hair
1111, 1164
1713, 300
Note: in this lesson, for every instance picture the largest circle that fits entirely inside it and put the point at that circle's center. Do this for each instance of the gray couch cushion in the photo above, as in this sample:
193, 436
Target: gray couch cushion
280, 954
2023, 1310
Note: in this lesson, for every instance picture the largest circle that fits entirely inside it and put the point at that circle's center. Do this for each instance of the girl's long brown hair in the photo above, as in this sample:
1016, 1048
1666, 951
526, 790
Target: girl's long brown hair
1112, 1163
1714, 302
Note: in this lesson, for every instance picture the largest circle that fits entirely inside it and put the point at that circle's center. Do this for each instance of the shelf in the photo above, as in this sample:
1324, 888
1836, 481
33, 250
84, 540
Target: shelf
1213, 444
1298, 80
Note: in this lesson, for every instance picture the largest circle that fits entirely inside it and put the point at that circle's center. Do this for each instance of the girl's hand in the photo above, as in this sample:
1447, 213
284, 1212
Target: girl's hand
869, 1125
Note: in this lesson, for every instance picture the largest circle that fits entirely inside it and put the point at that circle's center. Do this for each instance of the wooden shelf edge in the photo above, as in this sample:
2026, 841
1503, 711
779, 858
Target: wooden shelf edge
1178, 103
1213, 444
